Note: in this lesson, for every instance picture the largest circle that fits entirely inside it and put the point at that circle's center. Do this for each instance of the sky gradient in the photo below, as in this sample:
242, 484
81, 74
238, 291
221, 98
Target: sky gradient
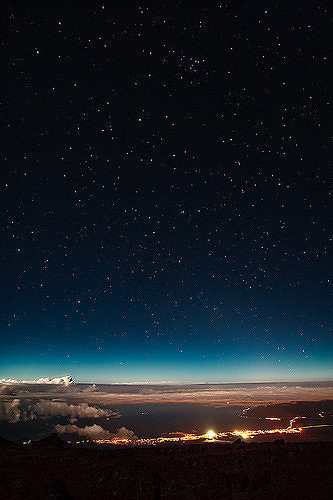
165, 192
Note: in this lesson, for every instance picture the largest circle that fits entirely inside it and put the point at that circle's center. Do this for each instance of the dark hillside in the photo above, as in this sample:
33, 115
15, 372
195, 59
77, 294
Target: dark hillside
240, 471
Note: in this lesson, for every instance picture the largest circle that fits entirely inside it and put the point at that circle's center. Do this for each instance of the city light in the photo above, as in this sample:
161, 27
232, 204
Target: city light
210, 435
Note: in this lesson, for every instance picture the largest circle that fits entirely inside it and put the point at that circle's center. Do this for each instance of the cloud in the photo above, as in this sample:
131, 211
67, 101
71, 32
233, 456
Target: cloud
208, 393
12, 412
96, 432
46, 408
89, 431
124, 433
222, 394
66, 380
91, 388
6, 390
21, 410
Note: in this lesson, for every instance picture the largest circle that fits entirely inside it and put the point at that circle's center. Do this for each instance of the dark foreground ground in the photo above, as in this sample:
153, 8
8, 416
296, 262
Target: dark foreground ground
197, 471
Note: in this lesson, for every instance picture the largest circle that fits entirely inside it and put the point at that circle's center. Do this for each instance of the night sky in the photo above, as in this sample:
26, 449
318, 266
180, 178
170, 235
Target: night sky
164, 191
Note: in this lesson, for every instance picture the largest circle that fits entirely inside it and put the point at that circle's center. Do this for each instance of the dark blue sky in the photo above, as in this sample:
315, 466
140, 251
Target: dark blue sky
165, 192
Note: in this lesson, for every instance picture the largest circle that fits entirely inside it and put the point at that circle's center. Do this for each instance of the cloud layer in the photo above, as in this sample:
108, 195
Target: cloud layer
46, 408
196, 393
89, 431
95, 432
18, 410
66, 381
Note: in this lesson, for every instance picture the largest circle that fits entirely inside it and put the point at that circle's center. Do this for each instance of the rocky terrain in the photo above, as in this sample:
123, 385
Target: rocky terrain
49, 469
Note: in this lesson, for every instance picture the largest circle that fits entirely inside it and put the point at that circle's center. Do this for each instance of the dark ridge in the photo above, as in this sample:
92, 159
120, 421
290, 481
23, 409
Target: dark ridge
5, 442
197, 471
52, 440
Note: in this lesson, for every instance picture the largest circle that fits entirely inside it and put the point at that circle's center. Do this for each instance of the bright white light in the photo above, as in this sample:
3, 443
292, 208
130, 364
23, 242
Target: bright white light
211, 434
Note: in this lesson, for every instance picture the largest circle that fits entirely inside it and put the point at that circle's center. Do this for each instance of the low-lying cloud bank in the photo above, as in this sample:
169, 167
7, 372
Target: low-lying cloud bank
18, 410
96, 432
47, 408
89, 431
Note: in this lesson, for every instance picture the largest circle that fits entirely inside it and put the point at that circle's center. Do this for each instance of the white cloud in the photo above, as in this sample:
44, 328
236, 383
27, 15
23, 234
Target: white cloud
46, 408
66, 380
89, 431
95, 432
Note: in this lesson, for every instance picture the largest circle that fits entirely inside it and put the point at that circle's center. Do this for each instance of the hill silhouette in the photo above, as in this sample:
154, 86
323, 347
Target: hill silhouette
48, 469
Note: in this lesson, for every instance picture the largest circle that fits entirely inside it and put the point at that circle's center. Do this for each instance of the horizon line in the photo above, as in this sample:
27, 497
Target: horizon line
40, 381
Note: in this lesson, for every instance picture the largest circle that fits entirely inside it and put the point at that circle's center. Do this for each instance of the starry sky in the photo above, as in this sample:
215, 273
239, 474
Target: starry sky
164, 191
